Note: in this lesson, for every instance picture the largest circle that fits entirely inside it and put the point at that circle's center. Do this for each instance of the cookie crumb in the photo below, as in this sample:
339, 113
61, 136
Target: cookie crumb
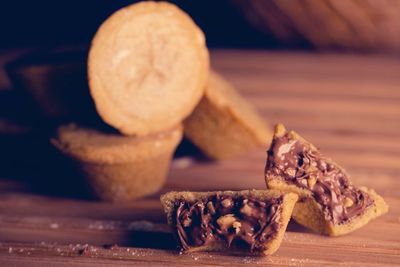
54, 226
182, 163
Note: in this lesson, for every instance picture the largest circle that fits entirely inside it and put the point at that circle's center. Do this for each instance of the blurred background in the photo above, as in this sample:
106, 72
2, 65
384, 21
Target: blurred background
306, 24
289, 51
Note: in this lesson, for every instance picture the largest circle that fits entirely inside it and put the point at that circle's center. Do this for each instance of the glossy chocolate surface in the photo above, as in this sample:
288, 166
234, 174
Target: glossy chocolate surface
247, 222
304, 166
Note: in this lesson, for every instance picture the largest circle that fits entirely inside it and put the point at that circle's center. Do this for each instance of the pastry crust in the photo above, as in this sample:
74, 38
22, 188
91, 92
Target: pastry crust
147, 68
309, 213
224, 124
289, 200
119, 168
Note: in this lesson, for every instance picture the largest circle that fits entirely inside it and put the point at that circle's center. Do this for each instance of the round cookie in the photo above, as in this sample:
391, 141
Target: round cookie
147, 67
119, 168
224, 124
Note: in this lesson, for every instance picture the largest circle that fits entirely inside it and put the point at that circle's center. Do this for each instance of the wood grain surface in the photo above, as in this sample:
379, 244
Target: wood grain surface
347, 105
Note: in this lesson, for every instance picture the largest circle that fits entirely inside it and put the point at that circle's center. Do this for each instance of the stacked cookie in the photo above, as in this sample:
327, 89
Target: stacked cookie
147, 67
148, 73
224, 124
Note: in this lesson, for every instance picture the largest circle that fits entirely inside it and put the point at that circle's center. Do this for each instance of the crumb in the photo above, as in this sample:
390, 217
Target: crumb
54, 225
10, 250
182, 163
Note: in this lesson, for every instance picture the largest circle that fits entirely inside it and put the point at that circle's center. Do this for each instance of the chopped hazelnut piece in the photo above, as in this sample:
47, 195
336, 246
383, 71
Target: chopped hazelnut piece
225, 222
304, 182
311, 181
236, 225
291, 171
246, 210
226, 203
348, 202
211, 208
186, 222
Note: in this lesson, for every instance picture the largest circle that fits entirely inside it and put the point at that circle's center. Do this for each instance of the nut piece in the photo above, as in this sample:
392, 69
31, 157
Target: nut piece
211, 208
225, 222
291, 171
311, 181
236, 225
348, 202
186, 221
285, 148
246, 210
226, 203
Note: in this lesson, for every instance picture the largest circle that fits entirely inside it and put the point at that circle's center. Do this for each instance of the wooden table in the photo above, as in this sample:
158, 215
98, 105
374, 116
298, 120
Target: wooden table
347, 105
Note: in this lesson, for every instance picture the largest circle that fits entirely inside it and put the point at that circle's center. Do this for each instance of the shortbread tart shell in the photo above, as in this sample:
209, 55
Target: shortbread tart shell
168, 201
147, 68
309, 213
119, 168
224, 124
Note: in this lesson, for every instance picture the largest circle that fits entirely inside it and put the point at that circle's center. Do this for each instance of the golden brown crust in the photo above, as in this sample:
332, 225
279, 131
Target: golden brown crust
119, 168
126, 181
147, 68
309, 213
224, 124
90, 145
289, 199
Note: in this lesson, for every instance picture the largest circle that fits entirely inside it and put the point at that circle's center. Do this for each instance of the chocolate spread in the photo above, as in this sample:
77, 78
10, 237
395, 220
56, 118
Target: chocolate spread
241, 220
300, 164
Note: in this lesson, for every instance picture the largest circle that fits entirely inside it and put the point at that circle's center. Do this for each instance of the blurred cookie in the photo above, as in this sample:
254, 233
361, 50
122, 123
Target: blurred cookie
147, 68
56, 82
329, 203
224, 124
119, 168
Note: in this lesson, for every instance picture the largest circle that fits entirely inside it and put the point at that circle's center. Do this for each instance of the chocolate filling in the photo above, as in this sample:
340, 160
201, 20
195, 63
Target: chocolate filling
305, 167
240, 220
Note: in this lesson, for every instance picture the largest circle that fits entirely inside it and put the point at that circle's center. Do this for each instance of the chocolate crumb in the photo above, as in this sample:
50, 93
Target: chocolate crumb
242, 220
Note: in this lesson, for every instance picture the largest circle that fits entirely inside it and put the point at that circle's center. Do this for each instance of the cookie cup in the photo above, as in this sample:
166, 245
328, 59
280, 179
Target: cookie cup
119, 168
